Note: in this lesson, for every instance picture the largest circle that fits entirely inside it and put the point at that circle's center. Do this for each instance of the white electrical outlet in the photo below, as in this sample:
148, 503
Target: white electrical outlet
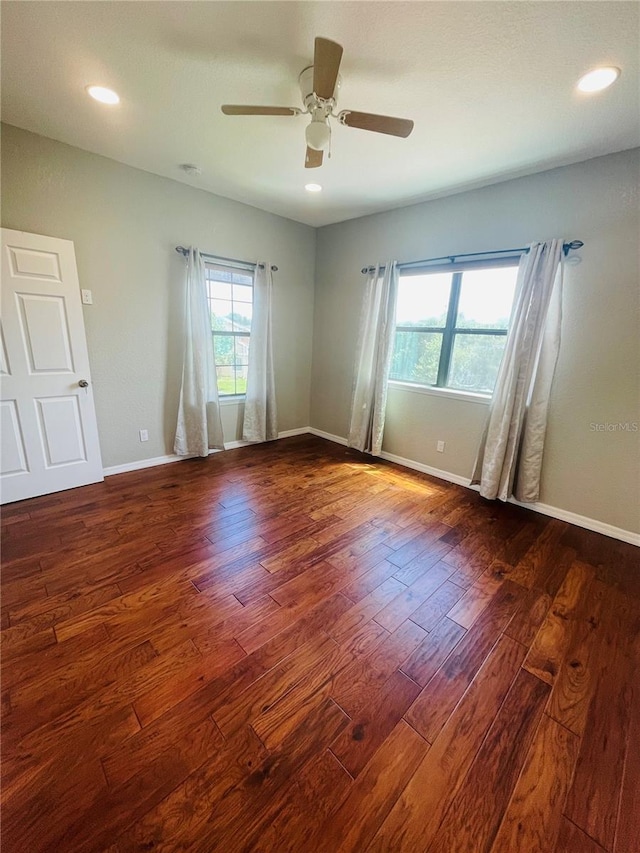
440, 446
144, 435
87, 297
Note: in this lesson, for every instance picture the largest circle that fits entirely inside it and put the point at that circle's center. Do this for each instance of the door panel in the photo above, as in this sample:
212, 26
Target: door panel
4, 358
12, 455
34, 263
45, 333
61, 431
49, 432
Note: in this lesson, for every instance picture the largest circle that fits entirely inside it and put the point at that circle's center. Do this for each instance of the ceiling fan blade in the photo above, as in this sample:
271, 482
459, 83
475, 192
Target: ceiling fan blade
378, 124
313, 158
326, 64
240, 110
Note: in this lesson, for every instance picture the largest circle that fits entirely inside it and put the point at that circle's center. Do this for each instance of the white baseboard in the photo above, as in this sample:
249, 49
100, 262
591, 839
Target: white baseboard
288, 433
337, 439
582, 521
172, 457
142, 463
542, 508
427, 469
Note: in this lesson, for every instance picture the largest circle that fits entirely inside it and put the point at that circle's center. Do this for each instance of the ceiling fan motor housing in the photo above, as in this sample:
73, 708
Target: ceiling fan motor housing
309, 97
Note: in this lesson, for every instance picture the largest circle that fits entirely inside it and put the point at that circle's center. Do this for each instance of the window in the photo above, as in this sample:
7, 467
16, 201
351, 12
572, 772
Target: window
451, 325
230, 293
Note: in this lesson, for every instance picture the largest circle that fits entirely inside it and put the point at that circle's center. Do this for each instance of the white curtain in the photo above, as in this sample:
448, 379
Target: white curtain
374, 351
260, 416
512, 446
199, 426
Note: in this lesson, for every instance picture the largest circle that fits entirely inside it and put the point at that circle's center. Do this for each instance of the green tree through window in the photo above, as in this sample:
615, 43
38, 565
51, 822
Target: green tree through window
230, 294
451, 326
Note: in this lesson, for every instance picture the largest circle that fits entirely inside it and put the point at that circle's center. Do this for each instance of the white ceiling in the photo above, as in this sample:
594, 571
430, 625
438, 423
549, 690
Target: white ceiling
490, 86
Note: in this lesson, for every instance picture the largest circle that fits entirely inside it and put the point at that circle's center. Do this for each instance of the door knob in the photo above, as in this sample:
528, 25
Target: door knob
83, 383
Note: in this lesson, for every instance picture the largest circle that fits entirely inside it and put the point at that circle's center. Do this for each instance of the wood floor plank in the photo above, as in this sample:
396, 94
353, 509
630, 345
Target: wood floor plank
404, 605
118, 807
203, 669
594, 798
573, 688
536, 562
25, 828
437, 605
628, 829
361, 586
438, 699
59, 608
476, 599
433, 651
549, 647
573, 840
180, 816
416, 546
533, 817
529, 616
351, 827
54, 657
244, 805
265, 692
276, 721
355, 688
38, 703
41, 770
414, 820
474, 815
27, 590
285, 824
368, 729
366, 609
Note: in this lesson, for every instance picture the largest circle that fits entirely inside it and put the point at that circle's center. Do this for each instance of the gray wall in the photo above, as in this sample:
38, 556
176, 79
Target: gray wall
595, 474
125, 224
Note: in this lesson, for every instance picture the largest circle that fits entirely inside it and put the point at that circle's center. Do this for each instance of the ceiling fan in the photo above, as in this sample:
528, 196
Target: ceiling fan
319, 84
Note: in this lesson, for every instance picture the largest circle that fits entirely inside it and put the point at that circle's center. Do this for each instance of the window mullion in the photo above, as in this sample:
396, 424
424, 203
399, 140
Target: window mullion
449, 332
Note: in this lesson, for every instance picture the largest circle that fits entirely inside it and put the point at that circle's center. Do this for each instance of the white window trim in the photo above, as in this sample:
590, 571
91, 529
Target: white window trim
449, 393
235, 266
231, 400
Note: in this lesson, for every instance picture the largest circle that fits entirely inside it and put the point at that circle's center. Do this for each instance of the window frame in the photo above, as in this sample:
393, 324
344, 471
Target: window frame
450, 330
242, 269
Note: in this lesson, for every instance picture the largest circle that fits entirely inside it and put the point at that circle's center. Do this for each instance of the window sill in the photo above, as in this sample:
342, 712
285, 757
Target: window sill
232, 400
448, 393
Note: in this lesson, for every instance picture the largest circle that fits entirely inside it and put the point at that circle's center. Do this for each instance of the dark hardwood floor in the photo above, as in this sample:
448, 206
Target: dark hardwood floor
291, 647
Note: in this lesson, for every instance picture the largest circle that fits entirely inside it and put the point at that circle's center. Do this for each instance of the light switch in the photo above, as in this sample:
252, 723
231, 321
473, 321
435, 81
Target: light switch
87, 298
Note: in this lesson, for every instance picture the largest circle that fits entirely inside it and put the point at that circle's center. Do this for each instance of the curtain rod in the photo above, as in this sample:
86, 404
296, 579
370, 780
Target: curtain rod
566, 248
182, 251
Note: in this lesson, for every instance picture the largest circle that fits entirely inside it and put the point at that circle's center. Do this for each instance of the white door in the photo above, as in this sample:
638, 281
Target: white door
49, 436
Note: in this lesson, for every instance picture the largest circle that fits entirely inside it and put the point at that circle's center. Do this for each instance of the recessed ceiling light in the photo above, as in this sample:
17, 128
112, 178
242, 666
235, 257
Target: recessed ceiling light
598, 79
105, 96
313, 188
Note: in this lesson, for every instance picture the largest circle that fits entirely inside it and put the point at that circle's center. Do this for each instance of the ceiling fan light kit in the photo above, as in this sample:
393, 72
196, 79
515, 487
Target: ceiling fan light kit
318, 134
319, 84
